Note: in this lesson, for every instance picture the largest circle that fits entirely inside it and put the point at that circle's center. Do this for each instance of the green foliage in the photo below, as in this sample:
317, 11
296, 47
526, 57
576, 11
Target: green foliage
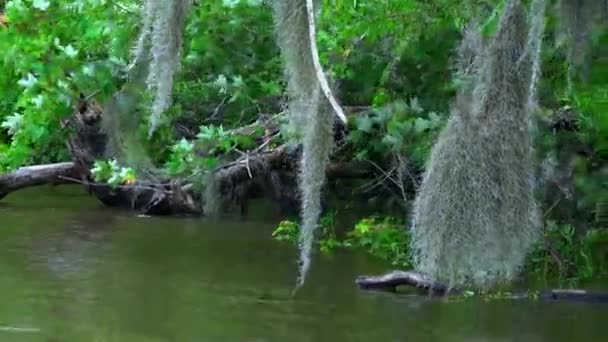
382, 51
398, 128
231, 66
203, 153
384, 238
381, 237
328, 241
286, 231
51, 51
108, 171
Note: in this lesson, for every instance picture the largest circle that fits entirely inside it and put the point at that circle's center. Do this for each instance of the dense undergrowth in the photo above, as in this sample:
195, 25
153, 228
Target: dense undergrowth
393, 60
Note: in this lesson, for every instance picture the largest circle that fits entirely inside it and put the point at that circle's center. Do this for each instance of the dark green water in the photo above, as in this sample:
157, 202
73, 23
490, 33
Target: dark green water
71, 270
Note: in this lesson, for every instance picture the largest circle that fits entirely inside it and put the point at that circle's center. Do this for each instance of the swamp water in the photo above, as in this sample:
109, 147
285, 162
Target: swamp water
72, 270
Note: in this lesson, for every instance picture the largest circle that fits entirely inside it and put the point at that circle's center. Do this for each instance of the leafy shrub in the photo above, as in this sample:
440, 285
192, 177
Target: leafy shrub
110, 172
397, 128
385, 238
51, 52
564, 255
289, 231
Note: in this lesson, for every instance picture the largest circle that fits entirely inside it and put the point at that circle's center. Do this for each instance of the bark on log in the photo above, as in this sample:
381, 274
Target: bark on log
37, 175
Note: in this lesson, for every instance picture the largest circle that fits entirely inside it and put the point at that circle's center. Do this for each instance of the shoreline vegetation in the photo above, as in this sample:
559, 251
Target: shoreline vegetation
248, 113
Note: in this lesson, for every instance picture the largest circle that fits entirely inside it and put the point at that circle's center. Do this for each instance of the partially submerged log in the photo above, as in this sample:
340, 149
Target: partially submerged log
37, 175
390, 281
574, 295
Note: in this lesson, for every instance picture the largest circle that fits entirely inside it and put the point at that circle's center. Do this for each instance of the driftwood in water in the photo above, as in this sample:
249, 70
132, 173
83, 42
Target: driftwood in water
574, 295
36, 175
390, 281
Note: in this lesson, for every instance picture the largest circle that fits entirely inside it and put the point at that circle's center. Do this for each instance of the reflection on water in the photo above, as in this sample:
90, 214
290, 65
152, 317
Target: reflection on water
71, 270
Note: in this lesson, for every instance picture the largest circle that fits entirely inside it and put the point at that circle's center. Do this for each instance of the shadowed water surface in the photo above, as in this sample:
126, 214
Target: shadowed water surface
71, 270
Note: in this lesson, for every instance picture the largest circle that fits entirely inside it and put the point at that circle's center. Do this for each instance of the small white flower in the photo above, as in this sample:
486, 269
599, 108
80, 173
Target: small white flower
65, 99
62, 84
88, 70
57, 43
70, 51
15, 5
12, 123
41, 4
221, 82
28, 81
38, 101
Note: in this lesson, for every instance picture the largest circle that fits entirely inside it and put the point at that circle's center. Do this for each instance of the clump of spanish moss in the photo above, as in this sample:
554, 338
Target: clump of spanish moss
122, 117
577, 19
468, 63
291, 21
309, 114
534, 49
475, 215
159, 46
211, 196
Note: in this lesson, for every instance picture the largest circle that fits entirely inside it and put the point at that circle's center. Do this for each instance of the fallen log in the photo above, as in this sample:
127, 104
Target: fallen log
262, 173
390, 281
37, 175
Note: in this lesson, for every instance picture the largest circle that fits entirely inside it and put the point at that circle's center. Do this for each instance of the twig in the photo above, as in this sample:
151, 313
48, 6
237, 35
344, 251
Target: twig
118, 186
123, 8
388, 175
247, 166
552, 206
217, 109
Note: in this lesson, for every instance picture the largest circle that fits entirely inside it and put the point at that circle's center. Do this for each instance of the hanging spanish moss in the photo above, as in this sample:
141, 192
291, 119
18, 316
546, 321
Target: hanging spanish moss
155, 61
309, 113
468, 62
475, 215
534, 49
577, 19
159, 46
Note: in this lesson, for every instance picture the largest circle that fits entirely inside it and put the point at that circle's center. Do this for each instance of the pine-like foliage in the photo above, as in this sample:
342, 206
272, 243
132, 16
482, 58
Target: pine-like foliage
309, 114
159, 44
475, 215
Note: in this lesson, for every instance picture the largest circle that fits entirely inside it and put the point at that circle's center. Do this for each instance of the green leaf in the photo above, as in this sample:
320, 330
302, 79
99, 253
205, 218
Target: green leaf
421, 125
365, 124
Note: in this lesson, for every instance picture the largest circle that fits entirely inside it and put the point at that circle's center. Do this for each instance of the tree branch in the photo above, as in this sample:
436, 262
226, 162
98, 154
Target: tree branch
312, 33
